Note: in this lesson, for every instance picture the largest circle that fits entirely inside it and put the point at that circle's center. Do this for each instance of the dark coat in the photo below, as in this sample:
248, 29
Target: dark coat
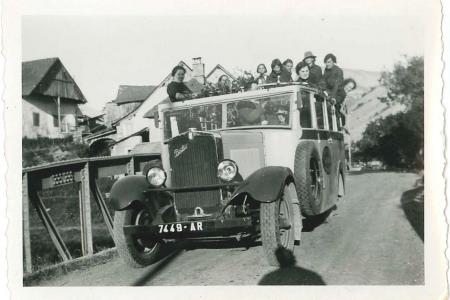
332, 80
285, 76
177, 87
305, 81
315, 74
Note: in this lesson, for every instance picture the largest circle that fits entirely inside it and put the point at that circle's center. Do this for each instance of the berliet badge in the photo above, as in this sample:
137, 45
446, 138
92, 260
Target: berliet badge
179, 151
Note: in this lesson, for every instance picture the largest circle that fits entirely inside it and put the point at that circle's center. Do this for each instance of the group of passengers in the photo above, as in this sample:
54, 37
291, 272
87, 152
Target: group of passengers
331, 81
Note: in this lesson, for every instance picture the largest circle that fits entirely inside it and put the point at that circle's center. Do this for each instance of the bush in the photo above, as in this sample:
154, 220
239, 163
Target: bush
397, 140
44, 150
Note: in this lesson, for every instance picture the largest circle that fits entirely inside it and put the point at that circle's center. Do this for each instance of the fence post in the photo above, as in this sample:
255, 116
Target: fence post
26, 224
85, 217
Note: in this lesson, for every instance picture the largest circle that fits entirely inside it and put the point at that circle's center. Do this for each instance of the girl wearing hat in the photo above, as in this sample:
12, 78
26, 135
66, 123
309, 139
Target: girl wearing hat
281, 116
315, 72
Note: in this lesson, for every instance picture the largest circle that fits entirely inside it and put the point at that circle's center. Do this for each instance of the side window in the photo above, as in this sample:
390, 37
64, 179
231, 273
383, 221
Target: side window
319, 113
305, 110
36, 119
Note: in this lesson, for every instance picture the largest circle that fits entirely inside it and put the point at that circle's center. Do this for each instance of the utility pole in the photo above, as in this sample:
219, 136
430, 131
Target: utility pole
59, 113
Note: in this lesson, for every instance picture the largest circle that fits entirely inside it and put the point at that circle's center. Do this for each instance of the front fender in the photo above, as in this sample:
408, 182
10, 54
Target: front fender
128, 189
264, 185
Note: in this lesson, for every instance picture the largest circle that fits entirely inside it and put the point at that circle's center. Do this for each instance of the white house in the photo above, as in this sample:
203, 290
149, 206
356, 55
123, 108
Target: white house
51, 99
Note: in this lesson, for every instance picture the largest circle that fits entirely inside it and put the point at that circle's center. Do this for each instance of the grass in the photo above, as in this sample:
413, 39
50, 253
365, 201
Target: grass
46, 150
62, 205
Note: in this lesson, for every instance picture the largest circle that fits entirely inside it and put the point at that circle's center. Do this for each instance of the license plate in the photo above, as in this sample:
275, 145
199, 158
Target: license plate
181, 227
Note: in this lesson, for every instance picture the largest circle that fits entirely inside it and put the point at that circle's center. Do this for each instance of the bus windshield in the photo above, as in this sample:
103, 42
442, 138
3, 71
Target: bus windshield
271, 111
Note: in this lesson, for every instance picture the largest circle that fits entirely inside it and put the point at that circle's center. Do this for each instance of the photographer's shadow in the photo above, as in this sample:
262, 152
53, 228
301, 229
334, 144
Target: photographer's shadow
290, 274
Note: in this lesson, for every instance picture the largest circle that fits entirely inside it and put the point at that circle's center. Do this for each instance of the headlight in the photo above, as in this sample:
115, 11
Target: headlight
156, 176
227, 170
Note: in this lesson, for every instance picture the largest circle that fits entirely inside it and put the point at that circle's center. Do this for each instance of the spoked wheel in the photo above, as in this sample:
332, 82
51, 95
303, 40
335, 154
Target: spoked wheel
136, 252
315, 181
308, 178
277, 226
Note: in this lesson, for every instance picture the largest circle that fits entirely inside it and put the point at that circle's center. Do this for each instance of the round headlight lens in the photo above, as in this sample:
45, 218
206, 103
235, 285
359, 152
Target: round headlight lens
227, 170
156, 176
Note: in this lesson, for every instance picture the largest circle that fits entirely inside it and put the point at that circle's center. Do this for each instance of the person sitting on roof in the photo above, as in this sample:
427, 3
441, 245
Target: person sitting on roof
279, 74
177, 90
288, 64
333, 77
303, 72
347, 86
223, 85
315, 72
261, 70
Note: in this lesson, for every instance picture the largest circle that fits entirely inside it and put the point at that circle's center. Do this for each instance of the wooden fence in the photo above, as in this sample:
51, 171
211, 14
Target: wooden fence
85, 172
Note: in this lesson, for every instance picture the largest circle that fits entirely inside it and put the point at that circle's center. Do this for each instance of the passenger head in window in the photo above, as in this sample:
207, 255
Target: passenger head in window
279, 73
302, 70
249, 113
261, 70
281, 116
223, 85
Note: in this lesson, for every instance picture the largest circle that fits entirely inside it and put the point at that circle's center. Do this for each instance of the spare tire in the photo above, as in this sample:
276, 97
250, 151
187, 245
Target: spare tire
308, 178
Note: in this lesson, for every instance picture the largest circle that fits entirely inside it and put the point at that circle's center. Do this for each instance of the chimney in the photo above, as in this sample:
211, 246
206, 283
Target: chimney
198, 70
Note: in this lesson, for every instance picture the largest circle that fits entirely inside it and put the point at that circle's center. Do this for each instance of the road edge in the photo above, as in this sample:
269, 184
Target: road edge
63, 268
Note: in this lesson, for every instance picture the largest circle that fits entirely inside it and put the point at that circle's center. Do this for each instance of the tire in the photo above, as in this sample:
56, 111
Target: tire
308, 179
272, 235
136, 253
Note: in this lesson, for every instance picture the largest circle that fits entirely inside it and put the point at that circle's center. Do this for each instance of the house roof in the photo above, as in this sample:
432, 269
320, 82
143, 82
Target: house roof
49, 77
218, 66
133, 93
141, 131
100, 133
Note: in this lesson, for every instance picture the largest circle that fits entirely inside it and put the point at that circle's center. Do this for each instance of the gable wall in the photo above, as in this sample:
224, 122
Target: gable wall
46, 107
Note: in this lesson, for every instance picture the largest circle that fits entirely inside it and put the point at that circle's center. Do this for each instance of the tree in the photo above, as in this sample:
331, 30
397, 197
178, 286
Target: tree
397, 140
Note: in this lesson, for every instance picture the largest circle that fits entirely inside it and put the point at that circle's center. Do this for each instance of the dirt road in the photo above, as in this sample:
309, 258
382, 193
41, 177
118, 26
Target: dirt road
374, 237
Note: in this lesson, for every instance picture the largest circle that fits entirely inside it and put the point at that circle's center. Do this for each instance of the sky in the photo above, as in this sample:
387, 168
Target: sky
102, 52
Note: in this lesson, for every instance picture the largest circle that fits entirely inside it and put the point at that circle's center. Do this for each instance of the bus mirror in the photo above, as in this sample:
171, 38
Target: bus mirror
156, 119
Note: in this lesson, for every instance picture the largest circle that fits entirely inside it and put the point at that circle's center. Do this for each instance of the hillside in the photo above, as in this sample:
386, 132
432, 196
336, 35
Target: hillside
364, 104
